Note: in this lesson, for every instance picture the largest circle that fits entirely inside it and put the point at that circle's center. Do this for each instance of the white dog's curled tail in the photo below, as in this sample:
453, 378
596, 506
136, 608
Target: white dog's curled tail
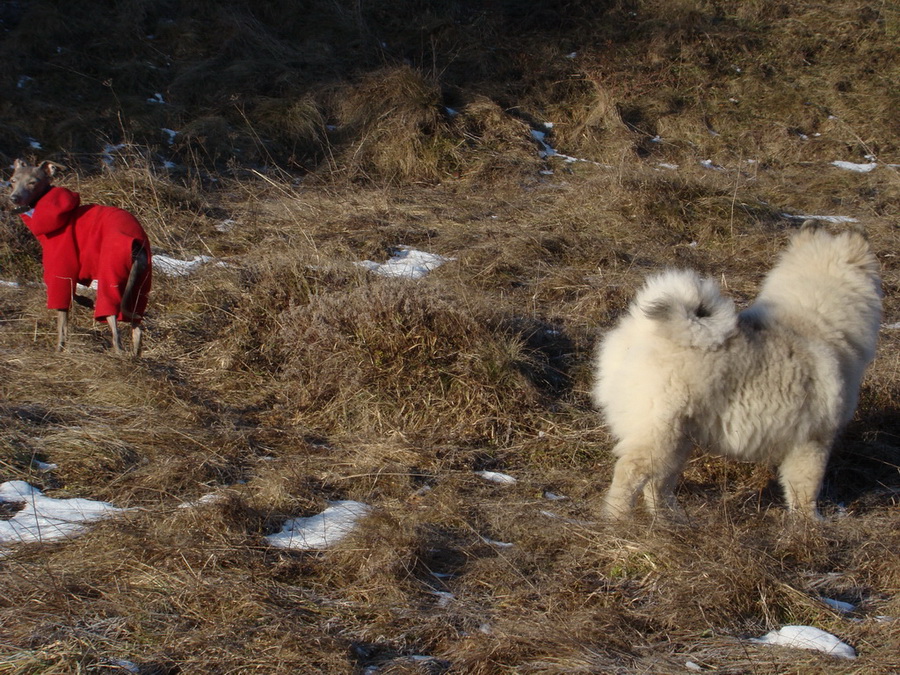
687, 309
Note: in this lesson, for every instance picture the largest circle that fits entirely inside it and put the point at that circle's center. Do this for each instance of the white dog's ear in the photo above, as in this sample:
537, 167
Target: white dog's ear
50, 168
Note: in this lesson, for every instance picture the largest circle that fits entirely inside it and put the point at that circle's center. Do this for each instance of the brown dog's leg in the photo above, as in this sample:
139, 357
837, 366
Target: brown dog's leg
137, 334
140, 261
62, 328
114, 328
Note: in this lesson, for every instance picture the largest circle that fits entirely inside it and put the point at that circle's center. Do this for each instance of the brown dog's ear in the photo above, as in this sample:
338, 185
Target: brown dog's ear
50, 168
18, 164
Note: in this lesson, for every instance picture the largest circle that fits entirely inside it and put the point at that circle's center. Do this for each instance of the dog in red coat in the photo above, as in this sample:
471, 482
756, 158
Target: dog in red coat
82, 243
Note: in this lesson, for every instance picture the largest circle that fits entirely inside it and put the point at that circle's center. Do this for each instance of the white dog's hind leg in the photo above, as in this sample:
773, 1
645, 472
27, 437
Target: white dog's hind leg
801, 474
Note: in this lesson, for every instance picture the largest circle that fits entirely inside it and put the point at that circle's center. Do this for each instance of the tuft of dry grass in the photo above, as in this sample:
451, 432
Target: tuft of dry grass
394, 357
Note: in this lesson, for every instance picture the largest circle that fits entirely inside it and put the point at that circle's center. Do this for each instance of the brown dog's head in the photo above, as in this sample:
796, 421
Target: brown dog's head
29, 183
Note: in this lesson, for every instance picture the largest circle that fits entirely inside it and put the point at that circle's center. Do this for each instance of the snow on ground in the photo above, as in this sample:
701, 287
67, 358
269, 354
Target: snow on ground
548, 151
496, 477
839, 605
173, 267
807, 637
709, 164
321, 530
406, 263
44, 519
108, 150
824, 219
853, 166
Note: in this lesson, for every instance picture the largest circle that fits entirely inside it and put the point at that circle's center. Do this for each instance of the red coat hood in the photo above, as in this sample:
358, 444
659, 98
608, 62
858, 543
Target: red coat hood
52, 211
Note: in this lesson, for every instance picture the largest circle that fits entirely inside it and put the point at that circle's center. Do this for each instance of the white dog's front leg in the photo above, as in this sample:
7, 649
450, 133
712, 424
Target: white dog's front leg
630, 475
801, 474
62, 329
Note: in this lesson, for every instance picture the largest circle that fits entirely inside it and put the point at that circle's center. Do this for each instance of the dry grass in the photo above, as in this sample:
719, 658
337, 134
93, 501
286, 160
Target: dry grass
311, 140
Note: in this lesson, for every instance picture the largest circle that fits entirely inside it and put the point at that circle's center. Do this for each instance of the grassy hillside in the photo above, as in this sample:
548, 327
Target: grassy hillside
289, 141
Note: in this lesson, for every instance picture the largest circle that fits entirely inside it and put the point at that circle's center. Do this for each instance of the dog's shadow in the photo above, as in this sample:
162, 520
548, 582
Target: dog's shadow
864, 471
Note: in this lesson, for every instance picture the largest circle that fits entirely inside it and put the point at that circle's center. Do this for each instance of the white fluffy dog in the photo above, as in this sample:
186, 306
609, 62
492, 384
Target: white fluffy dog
774, 383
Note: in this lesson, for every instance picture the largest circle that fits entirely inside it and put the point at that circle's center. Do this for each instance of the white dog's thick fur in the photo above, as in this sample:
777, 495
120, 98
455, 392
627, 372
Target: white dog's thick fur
774, 383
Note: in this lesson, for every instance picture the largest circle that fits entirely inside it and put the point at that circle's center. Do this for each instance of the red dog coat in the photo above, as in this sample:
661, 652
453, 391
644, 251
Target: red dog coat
83, 243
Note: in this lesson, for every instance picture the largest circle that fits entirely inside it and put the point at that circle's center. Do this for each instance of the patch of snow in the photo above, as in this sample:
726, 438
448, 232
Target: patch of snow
23, 81
891, 326
171, 133
35, 144
211, 498
709, 164
44, 466
553, 497
156, 98
178, 268
853, 166
226, 225
44, 519
444, 598
10, 284
451, 112
498, 544
667, 165
108, 151
496, 477
808, 637
571, 55
406, 263
690, 665
824, 219
321, 530
547, 150
838, 605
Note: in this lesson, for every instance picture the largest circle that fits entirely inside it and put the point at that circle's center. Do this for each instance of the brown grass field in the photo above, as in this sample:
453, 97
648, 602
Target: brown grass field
281, 375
